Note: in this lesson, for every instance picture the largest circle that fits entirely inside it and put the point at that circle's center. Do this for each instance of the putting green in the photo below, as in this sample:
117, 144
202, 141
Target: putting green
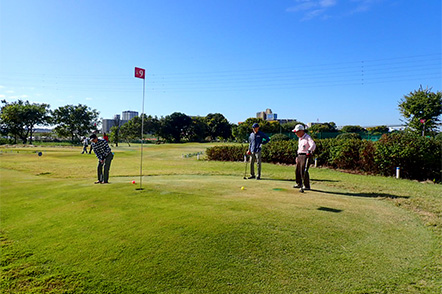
195, 232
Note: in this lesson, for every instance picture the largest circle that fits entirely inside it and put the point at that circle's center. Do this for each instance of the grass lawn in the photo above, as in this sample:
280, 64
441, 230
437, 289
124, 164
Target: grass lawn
194, 230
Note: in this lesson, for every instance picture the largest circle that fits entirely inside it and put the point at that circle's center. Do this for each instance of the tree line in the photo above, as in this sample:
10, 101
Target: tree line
421, 110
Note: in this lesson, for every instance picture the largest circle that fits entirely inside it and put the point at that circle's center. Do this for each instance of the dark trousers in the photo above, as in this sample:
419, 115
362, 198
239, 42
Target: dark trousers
300, 169
103, 168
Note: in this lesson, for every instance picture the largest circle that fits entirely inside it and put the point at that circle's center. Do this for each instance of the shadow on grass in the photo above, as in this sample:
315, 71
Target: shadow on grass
292, 180
328, 209
317, 180
279, 180
367, 195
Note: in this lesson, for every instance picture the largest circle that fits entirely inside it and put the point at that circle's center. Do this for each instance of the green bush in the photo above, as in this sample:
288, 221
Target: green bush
4, 141
280, 152
323, 151
349, 136
280, 137
418, 157
350, 154
227, 153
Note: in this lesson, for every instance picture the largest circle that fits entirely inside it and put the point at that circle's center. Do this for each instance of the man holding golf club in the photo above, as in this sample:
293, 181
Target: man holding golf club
256, 139
104, 154
306, 147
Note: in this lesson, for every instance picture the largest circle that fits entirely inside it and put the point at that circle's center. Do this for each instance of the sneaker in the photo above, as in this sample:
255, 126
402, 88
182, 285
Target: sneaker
296, 186
251, 177
98, 182
258, 178
306, 188
104, 183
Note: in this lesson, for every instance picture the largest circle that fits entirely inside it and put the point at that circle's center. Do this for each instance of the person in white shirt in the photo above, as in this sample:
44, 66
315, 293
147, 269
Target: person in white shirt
306, 147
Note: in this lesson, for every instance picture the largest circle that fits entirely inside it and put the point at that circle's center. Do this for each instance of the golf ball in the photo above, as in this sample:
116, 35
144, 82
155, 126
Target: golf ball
133, 182
40, 154
242, 188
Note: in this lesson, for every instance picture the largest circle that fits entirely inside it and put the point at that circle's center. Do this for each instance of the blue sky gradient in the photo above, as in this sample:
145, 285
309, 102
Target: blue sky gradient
349, 62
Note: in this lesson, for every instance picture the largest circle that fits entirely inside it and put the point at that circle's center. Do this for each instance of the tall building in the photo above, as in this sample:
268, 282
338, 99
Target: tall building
118, 120
267, 115
261, 114
128, 115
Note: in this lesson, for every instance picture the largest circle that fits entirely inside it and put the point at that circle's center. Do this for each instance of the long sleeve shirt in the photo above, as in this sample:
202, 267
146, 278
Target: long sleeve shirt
256, 140
306, 144
101, 149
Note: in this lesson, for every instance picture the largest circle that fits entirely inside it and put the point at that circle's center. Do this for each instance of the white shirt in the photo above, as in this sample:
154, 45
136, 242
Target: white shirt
306, 144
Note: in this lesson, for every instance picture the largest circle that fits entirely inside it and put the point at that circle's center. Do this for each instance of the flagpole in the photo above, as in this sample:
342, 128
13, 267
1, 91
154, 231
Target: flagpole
142, 131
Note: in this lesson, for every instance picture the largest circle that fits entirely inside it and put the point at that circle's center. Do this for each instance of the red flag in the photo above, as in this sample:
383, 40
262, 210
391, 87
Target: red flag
139, 73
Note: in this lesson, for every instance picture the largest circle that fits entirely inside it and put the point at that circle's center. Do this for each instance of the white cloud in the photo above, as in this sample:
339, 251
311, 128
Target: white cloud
18, 97
327, 3
2, 96
312, 9
324, 9
89, 99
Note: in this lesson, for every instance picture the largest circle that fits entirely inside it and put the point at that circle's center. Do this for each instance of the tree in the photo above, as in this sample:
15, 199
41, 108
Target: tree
115, 131
218, 126
421, 109
378, 130
130, 130
20, 118
175, 126
289, 126
352, 129
198, 130
74, 121
327, 127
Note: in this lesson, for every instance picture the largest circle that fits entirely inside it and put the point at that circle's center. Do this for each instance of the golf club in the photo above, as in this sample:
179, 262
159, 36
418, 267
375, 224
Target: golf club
245, 169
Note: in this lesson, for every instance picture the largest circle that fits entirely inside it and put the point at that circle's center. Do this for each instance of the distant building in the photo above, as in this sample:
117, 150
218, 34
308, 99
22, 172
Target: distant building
118, 120
128, 115
267, 115
272, 116
261, 115
286, 120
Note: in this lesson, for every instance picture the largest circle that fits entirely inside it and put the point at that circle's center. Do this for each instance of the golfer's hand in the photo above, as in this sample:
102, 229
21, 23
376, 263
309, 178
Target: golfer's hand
102, 161
248, 152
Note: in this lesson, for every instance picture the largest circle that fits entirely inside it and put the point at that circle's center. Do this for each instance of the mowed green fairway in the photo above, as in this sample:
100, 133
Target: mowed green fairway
194, 230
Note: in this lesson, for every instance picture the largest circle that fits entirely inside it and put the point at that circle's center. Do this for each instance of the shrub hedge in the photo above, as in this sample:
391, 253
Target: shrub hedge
418, 157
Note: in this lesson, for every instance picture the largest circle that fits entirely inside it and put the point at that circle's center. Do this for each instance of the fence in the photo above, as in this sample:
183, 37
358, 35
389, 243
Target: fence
329, 135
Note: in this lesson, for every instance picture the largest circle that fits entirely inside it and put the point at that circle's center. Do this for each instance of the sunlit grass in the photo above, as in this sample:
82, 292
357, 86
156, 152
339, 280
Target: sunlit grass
194, 230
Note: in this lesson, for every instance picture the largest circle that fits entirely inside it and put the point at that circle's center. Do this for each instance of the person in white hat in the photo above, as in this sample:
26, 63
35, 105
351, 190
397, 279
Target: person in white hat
306, 147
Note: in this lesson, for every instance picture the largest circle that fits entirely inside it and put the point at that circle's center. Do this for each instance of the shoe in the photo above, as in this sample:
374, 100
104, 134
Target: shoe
258, 178
98, 182
296, 186
104, 183
306, 188
251, 177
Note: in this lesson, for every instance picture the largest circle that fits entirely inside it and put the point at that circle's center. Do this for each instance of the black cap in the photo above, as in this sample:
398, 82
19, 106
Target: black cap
93, 136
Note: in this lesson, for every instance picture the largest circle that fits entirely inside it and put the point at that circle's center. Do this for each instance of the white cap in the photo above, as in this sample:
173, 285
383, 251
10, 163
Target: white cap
298, 128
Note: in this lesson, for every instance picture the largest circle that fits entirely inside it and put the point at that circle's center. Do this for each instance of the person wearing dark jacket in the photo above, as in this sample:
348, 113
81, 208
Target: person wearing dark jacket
104, 154
256, 140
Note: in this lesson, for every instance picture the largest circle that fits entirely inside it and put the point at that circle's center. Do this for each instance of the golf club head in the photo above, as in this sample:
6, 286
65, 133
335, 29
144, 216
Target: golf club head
301, 190
245, 178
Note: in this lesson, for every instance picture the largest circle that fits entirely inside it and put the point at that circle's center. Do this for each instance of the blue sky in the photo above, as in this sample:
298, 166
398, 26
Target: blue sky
349, 62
